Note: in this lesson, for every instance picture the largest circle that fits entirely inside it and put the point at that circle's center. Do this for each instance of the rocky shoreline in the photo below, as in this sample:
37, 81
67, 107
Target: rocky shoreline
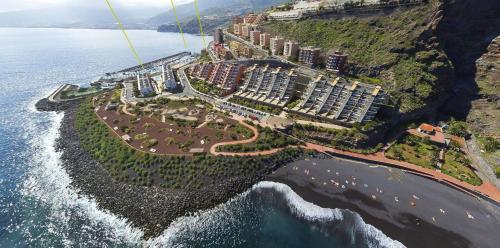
151, 209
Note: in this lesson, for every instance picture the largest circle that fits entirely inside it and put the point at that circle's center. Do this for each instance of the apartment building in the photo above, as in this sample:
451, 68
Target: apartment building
255, 37
265, 40
168, 78
309, 55
145, 85
336, 62
237, 20
218, 36
340, 101
238, 29
245, 30
270, 86
226, 76
277, 45
291, 50
202, 71
250, 18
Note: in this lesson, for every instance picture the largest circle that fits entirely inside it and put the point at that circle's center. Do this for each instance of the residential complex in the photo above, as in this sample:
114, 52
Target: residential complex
240, 49
341, 101
270, 86
291, 50
201, 71
336, 62
309, 55
250, 18
277, 45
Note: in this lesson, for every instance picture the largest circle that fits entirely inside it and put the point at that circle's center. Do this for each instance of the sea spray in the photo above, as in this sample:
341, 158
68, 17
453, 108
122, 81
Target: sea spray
312, 212
49, 183
201, 228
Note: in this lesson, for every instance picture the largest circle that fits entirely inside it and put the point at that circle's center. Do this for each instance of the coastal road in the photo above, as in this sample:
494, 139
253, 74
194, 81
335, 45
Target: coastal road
414, 210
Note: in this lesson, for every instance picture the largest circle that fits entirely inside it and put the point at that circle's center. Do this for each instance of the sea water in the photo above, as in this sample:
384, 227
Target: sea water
40, 208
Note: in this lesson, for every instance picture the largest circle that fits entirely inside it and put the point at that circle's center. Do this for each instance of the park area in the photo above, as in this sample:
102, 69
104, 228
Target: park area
425, 153
169, 127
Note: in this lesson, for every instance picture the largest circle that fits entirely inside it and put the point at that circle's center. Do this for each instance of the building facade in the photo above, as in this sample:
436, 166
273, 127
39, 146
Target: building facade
245, 30
265, 40
336, 62
255, 37
340, 101
168, 78
309, 55
269, 86
226, 76
277, 45
237, 29
291, 50
218, 36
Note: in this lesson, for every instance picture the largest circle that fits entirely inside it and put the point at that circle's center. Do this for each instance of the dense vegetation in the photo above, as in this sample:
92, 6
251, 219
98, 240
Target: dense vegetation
128, 165
389, 50
352, 139
268, 139
425, 153
253, 105
206, 88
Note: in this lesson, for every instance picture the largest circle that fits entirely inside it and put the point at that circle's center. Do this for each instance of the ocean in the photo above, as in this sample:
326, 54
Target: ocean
40, 208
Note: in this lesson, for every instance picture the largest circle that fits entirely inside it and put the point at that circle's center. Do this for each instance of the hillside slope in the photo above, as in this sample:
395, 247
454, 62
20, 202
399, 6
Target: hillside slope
214, 13
411, 52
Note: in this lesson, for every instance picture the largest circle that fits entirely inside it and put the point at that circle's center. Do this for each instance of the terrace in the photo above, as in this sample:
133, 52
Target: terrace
268, 86
340, 101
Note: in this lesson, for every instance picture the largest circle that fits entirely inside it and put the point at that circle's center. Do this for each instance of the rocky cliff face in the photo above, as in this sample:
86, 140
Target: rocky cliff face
484, 116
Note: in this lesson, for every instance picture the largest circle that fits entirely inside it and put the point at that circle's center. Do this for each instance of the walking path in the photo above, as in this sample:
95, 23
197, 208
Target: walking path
213, 149
485, 171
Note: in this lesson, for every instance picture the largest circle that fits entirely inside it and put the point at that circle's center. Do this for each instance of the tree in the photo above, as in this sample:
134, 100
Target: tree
458, 128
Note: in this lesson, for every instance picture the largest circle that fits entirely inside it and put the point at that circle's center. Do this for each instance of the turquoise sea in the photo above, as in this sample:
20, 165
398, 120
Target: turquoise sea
38, 206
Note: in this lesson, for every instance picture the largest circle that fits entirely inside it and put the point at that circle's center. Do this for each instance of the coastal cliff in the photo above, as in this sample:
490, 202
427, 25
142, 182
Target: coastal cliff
418, 54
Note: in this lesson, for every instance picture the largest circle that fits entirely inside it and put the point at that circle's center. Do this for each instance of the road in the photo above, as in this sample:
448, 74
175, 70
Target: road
483, 168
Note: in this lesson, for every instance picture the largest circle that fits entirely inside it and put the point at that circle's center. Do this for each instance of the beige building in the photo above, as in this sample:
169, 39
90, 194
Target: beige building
237, 29
265, 40
245, 31
255, 37
277, 45
291, 50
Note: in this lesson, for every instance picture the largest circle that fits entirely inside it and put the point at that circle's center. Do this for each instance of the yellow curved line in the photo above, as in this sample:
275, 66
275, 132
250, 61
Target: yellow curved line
178, 22
199, 22
120, 24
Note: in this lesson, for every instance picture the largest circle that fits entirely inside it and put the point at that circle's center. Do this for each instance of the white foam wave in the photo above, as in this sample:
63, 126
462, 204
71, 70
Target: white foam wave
312, 212
49, 183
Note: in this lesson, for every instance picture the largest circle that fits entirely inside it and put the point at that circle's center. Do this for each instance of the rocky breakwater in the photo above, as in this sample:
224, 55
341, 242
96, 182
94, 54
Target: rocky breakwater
151, 209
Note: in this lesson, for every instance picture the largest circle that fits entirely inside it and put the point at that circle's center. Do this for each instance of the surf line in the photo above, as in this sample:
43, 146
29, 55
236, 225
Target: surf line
120, 24
199, 22
178, 22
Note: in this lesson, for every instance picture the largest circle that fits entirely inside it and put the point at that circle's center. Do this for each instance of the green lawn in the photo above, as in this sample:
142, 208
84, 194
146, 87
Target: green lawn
456, 165
424, 153
414, 150
257, 106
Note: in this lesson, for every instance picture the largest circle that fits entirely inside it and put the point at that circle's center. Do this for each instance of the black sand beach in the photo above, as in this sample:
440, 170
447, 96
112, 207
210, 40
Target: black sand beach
414, 210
